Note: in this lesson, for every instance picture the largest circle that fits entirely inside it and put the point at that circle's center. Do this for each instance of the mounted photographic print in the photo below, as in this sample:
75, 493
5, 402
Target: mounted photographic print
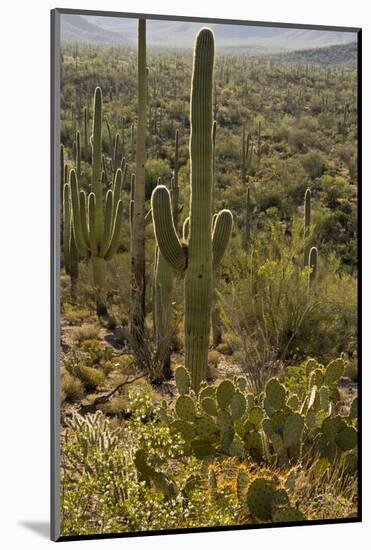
205, 312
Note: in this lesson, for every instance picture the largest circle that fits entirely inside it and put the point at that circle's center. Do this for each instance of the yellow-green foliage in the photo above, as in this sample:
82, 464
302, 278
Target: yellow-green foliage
90, 377
86, 332
74, 313
72, 388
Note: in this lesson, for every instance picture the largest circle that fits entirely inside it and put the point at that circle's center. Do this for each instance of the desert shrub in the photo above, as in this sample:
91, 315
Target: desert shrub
213, 358
335, 189
98, 354
224, 348
86, 332
269, 308
90, 377
300, 139
314, 164
74, 313
72, 388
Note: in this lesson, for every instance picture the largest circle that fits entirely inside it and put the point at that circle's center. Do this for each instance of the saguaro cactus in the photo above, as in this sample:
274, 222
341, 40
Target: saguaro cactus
205, 246
215, 310
70, 253
313, 259
78, 154
259, 147
97, 223
307, 222
175, 186
246, 154
247, 234
86, 135
161, 303
138, 225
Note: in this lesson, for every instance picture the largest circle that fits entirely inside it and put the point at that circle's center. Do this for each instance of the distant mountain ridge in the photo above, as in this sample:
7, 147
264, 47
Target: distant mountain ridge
180, 34
344, 54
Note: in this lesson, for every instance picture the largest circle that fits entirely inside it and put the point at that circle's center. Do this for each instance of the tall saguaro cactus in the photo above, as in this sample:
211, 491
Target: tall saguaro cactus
307, 222
175, 185
216, 324
97, 222
138, 224
247, 233
205, 246
70, 253
86, 133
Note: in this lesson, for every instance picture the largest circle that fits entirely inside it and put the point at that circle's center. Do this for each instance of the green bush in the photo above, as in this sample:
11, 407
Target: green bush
90, 377
313, 164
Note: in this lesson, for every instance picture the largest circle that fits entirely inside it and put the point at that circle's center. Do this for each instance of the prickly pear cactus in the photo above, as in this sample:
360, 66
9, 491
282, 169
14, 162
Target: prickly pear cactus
284, 427
266, 501
182, 380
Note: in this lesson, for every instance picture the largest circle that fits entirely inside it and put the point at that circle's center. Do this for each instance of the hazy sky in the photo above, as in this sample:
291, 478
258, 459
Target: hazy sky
181, 33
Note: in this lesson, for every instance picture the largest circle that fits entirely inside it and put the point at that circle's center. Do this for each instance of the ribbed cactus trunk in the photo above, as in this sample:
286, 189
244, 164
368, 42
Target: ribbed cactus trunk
70, 253
78, 154
216, 323
198, 279
86, 135
99, 267
161, 310
313, 260
200, 254
307, 222
247, 232
259, 147
175, 185
62, 176
243, 154
96, 184
138, 224
163, 288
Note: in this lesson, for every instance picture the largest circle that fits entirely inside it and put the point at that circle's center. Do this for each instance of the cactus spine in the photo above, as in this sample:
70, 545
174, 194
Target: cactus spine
307, 223
205, 247
97, 223
138, 226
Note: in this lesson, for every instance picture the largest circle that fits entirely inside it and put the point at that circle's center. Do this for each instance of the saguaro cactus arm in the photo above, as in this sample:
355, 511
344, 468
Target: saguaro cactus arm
83, 220
307, 222
166, 236
66, 225
115, 233
92, 224
76, 215
186, 229
97, 163
313, 259
108, 217
221, 235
